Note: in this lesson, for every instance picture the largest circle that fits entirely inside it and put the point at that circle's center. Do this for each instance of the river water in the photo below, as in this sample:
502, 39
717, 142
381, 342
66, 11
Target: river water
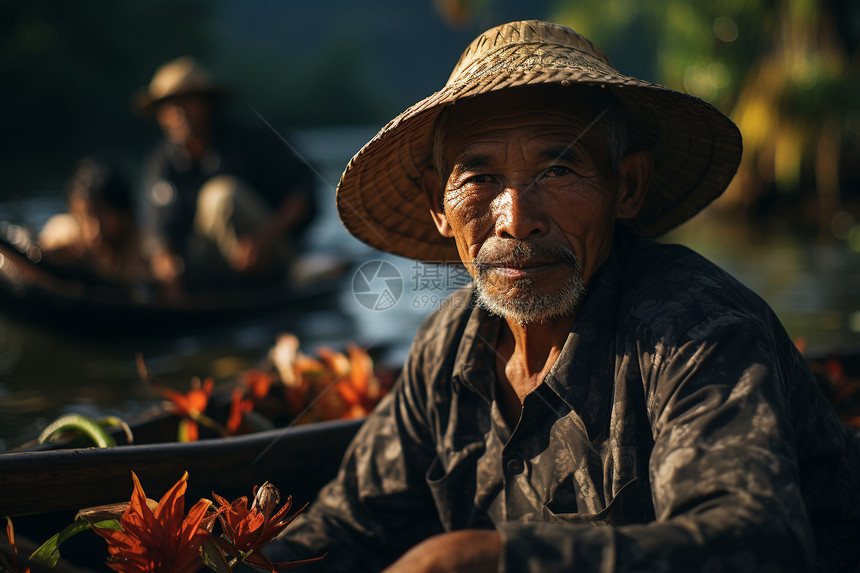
813, 286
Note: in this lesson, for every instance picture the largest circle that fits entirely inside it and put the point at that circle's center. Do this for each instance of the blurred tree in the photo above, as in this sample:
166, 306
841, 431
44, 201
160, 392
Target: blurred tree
780, 68
793, 109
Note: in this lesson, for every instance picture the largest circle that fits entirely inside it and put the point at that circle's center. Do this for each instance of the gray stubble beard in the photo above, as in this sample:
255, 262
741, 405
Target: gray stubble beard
521, 303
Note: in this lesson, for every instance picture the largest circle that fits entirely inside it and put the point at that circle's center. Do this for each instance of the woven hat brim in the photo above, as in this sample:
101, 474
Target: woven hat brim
144, 104
696, 152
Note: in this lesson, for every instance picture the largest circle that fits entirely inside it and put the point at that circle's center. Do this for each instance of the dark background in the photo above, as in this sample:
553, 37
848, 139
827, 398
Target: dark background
69, 69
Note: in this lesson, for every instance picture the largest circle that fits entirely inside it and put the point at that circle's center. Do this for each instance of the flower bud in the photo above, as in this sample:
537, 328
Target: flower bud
266, 499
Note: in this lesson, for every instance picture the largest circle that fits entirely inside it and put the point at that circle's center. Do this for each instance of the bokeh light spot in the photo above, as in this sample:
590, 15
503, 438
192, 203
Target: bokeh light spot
725, 29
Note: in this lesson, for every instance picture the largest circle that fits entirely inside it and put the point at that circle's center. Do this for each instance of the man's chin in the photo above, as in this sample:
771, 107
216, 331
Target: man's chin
524, 304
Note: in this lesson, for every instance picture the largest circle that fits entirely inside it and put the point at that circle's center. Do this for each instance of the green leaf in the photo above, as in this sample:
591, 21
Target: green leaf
116, 421
213, 558
49, 552
109, 524
81, 423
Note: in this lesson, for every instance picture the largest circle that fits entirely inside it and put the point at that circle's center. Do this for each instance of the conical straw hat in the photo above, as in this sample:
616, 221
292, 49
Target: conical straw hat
183, 76
696, 148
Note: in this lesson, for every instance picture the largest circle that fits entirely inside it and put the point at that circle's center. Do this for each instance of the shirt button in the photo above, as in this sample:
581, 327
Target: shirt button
515, 466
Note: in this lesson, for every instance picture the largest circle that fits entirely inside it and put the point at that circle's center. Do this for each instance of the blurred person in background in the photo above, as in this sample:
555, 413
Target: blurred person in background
222, 204
98, 237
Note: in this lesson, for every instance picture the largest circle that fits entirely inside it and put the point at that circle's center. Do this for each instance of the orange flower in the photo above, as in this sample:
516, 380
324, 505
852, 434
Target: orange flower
246, 531
356, 388
190, 406
257, 383
161, 540
194, 402
239, 406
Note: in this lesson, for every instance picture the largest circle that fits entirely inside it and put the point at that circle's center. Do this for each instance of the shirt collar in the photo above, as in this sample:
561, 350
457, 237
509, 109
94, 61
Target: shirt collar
474, 365
583, 375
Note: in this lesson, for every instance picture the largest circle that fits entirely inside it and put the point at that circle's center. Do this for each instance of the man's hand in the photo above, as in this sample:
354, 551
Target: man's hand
468, 551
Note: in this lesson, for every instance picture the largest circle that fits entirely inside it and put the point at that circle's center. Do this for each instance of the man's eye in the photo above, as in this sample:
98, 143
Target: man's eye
556, 171
479, 179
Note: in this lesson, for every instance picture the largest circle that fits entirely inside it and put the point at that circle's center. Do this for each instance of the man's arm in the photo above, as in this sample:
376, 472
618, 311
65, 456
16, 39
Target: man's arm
254, 250
286, 183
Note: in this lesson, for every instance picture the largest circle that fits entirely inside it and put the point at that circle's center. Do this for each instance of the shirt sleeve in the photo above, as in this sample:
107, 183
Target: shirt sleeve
723, 472
379, 505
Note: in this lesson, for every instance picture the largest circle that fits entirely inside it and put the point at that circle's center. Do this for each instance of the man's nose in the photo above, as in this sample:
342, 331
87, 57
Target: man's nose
519, 212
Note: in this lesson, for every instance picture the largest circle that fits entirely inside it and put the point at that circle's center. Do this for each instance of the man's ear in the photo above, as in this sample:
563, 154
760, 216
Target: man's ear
634, 172
433, 192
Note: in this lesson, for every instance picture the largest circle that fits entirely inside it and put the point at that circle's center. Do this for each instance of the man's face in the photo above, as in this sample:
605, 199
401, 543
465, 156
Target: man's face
530, 200
182, 117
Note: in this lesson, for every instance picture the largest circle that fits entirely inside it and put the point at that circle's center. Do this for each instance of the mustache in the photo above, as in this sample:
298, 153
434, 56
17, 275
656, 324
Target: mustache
519, 253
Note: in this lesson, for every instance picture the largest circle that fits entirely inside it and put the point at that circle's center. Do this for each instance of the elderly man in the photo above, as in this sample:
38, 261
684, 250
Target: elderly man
597, 401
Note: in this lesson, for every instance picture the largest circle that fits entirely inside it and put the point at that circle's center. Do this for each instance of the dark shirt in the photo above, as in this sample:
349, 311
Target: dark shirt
172, 180
679, 430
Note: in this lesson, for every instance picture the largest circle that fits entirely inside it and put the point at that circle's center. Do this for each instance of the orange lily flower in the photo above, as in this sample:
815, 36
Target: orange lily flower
190, 406
363, 379
356, 388
159, 540
336, 362
309, 374
239, 406
193, 403
246, 531
257, 383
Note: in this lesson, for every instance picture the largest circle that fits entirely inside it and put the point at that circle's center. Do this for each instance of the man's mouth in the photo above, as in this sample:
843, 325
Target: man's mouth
521, 270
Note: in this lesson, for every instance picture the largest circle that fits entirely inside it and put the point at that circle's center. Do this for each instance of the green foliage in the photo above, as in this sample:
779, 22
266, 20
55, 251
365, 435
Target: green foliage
780, 69
91, 429
49, 552
704, 48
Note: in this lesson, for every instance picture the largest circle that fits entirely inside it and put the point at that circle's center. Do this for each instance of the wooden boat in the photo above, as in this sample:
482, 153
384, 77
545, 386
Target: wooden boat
42, 490
44, 485
34, 290
298, 460
44, 478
